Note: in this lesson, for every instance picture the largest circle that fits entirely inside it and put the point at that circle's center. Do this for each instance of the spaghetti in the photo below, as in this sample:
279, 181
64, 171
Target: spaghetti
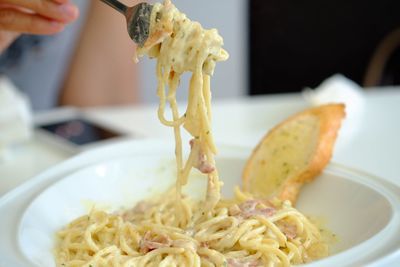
173, 230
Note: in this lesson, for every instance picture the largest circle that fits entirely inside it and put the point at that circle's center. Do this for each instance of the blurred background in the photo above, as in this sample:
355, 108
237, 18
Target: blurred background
275, 46
297, 44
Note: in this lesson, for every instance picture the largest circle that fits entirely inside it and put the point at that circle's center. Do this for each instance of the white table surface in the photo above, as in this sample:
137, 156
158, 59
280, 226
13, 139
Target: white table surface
373, 147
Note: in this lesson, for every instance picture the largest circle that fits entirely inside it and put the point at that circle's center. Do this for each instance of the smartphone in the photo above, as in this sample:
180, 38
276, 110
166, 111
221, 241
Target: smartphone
76, 132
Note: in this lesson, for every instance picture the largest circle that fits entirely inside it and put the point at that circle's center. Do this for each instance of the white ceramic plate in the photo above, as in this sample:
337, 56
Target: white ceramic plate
362, 210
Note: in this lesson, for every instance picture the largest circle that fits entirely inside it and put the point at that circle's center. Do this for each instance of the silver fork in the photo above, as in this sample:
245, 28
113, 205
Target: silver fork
137, 18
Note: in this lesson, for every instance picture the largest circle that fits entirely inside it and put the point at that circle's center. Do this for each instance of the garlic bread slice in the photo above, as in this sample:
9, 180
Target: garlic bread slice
292, 153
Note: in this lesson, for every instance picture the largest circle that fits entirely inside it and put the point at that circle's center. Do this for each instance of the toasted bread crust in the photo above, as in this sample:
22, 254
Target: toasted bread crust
329, 121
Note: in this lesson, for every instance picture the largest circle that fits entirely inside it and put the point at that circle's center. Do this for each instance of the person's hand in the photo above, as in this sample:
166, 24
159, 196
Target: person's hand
33, 17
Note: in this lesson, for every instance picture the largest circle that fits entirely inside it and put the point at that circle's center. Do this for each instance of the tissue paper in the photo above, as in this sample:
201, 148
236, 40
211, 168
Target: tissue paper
15, 116
339, 89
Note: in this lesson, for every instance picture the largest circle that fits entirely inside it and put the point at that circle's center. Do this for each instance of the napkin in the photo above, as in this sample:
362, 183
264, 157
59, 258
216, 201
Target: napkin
15, 117
339, 89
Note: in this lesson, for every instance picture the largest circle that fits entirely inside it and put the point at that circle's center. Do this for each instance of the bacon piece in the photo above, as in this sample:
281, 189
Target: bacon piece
243, 262
234, 210
249, 205
249, 209
203, 165
149, 242
201, 162
290, 230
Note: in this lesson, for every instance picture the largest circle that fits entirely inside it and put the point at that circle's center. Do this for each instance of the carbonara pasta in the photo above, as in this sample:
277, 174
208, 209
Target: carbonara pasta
172, 229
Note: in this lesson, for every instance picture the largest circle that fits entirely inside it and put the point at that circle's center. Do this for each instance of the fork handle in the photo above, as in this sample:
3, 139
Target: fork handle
117, 5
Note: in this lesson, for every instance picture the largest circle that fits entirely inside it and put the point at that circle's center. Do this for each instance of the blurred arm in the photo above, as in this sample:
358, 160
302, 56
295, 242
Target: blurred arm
102, 71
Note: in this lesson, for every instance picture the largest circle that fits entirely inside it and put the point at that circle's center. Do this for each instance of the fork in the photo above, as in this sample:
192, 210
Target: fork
137, 18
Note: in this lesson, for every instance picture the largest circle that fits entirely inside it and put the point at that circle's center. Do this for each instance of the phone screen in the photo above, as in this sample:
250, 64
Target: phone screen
80, 131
